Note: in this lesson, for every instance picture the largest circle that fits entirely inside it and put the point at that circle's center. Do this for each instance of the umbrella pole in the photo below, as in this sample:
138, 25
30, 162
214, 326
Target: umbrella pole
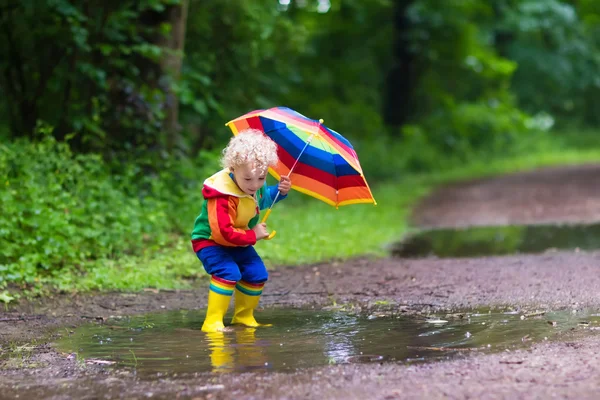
310, 138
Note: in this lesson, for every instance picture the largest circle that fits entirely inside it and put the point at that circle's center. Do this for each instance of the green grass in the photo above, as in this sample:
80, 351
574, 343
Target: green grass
173, 268
313, 231
310, 231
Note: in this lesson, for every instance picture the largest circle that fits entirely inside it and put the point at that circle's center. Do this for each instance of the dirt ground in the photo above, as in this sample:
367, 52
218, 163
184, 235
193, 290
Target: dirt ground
550, 281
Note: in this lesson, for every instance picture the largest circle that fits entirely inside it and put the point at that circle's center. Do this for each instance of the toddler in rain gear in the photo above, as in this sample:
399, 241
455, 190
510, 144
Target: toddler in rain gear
227, 227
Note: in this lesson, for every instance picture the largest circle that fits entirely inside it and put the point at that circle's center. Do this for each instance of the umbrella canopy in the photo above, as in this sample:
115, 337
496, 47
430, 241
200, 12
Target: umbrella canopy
323, 162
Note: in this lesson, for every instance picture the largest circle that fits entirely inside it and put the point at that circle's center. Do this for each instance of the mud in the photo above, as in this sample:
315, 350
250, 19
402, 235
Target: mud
550, 281
552, 195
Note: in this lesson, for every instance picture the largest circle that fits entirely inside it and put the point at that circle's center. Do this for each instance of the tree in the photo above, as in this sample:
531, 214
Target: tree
402, 77
88, 68
173, 44
555, 44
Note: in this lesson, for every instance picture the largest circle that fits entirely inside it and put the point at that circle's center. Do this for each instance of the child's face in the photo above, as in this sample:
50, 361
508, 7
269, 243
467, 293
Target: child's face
249, 178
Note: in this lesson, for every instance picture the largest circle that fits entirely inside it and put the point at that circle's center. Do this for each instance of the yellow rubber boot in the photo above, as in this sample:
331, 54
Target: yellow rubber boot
247, 296
219, 296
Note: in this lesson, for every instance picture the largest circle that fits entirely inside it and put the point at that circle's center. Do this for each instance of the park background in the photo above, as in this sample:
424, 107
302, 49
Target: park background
112, 114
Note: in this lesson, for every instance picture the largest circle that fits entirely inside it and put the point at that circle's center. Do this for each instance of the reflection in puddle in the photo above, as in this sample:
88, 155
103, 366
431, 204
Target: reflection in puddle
172, 343
498, 240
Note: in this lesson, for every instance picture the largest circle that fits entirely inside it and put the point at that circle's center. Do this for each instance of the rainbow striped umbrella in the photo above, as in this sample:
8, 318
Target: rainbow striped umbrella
324, 163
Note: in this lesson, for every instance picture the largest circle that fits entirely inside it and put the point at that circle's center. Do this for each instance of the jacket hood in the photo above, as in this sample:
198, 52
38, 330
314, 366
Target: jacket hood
221, 184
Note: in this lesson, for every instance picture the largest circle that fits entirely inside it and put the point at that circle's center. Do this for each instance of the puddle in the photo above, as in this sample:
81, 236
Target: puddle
172, 343
499, 240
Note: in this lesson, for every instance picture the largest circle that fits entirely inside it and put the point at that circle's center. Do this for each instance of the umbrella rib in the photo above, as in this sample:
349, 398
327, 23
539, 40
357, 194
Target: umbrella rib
293, 166
302, 152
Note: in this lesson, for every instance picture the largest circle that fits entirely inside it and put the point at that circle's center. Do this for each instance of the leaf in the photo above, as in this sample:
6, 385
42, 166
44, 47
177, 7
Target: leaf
200, 107
106, 49
5, 297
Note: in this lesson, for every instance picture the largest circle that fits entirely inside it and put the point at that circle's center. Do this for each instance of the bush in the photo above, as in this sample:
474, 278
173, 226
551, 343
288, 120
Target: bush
60, 209
177, 187
468, 130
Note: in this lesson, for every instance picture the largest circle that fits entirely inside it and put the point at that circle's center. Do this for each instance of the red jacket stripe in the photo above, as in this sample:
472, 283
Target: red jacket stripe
222, 212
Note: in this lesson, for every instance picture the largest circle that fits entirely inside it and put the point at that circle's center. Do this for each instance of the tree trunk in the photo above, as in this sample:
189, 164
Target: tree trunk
401, 79
503, 38
171, 66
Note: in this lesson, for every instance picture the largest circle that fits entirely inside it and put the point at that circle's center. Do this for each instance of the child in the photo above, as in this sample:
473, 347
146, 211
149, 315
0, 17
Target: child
227, 227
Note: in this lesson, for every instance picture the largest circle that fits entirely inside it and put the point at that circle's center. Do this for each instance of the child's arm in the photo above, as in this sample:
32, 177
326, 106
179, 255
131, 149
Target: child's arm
270, 193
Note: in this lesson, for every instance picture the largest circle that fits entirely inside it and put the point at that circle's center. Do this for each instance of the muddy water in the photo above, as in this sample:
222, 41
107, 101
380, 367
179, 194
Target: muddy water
172, 343
499, 240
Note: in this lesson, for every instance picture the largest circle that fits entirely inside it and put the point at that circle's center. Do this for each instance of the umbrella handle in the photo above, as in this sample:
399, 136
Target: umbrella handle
266, 216
273, 233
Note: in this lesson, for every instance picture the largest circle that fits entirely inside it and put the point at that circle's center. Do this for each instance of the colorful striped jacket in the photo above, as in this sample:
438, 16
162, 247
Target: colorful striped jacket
228, 214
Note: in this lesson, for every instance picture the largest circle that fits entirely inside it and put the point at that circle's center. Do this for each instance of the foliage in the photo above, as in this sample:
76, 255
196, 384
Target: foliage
343, 84
87, 68
5, 297
469, 130
240, 56
177, 187
60, 209
95, 69
173, 267
464, 105
556, 45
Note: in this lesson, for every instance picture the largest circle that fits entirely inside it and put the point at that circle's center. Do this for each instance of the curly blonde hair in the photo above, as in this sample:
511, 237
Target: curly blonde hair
252, 147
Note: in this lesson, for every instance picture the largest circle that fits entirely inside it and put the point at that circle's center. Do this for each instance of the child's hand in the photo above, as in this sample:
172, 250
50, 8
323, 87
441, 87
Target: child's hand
285, 184
261, 231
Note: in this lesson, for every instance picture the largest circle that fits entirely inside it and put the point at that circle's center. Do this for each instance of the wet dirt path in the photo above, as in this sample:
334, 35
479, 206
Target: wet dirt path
554, 280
